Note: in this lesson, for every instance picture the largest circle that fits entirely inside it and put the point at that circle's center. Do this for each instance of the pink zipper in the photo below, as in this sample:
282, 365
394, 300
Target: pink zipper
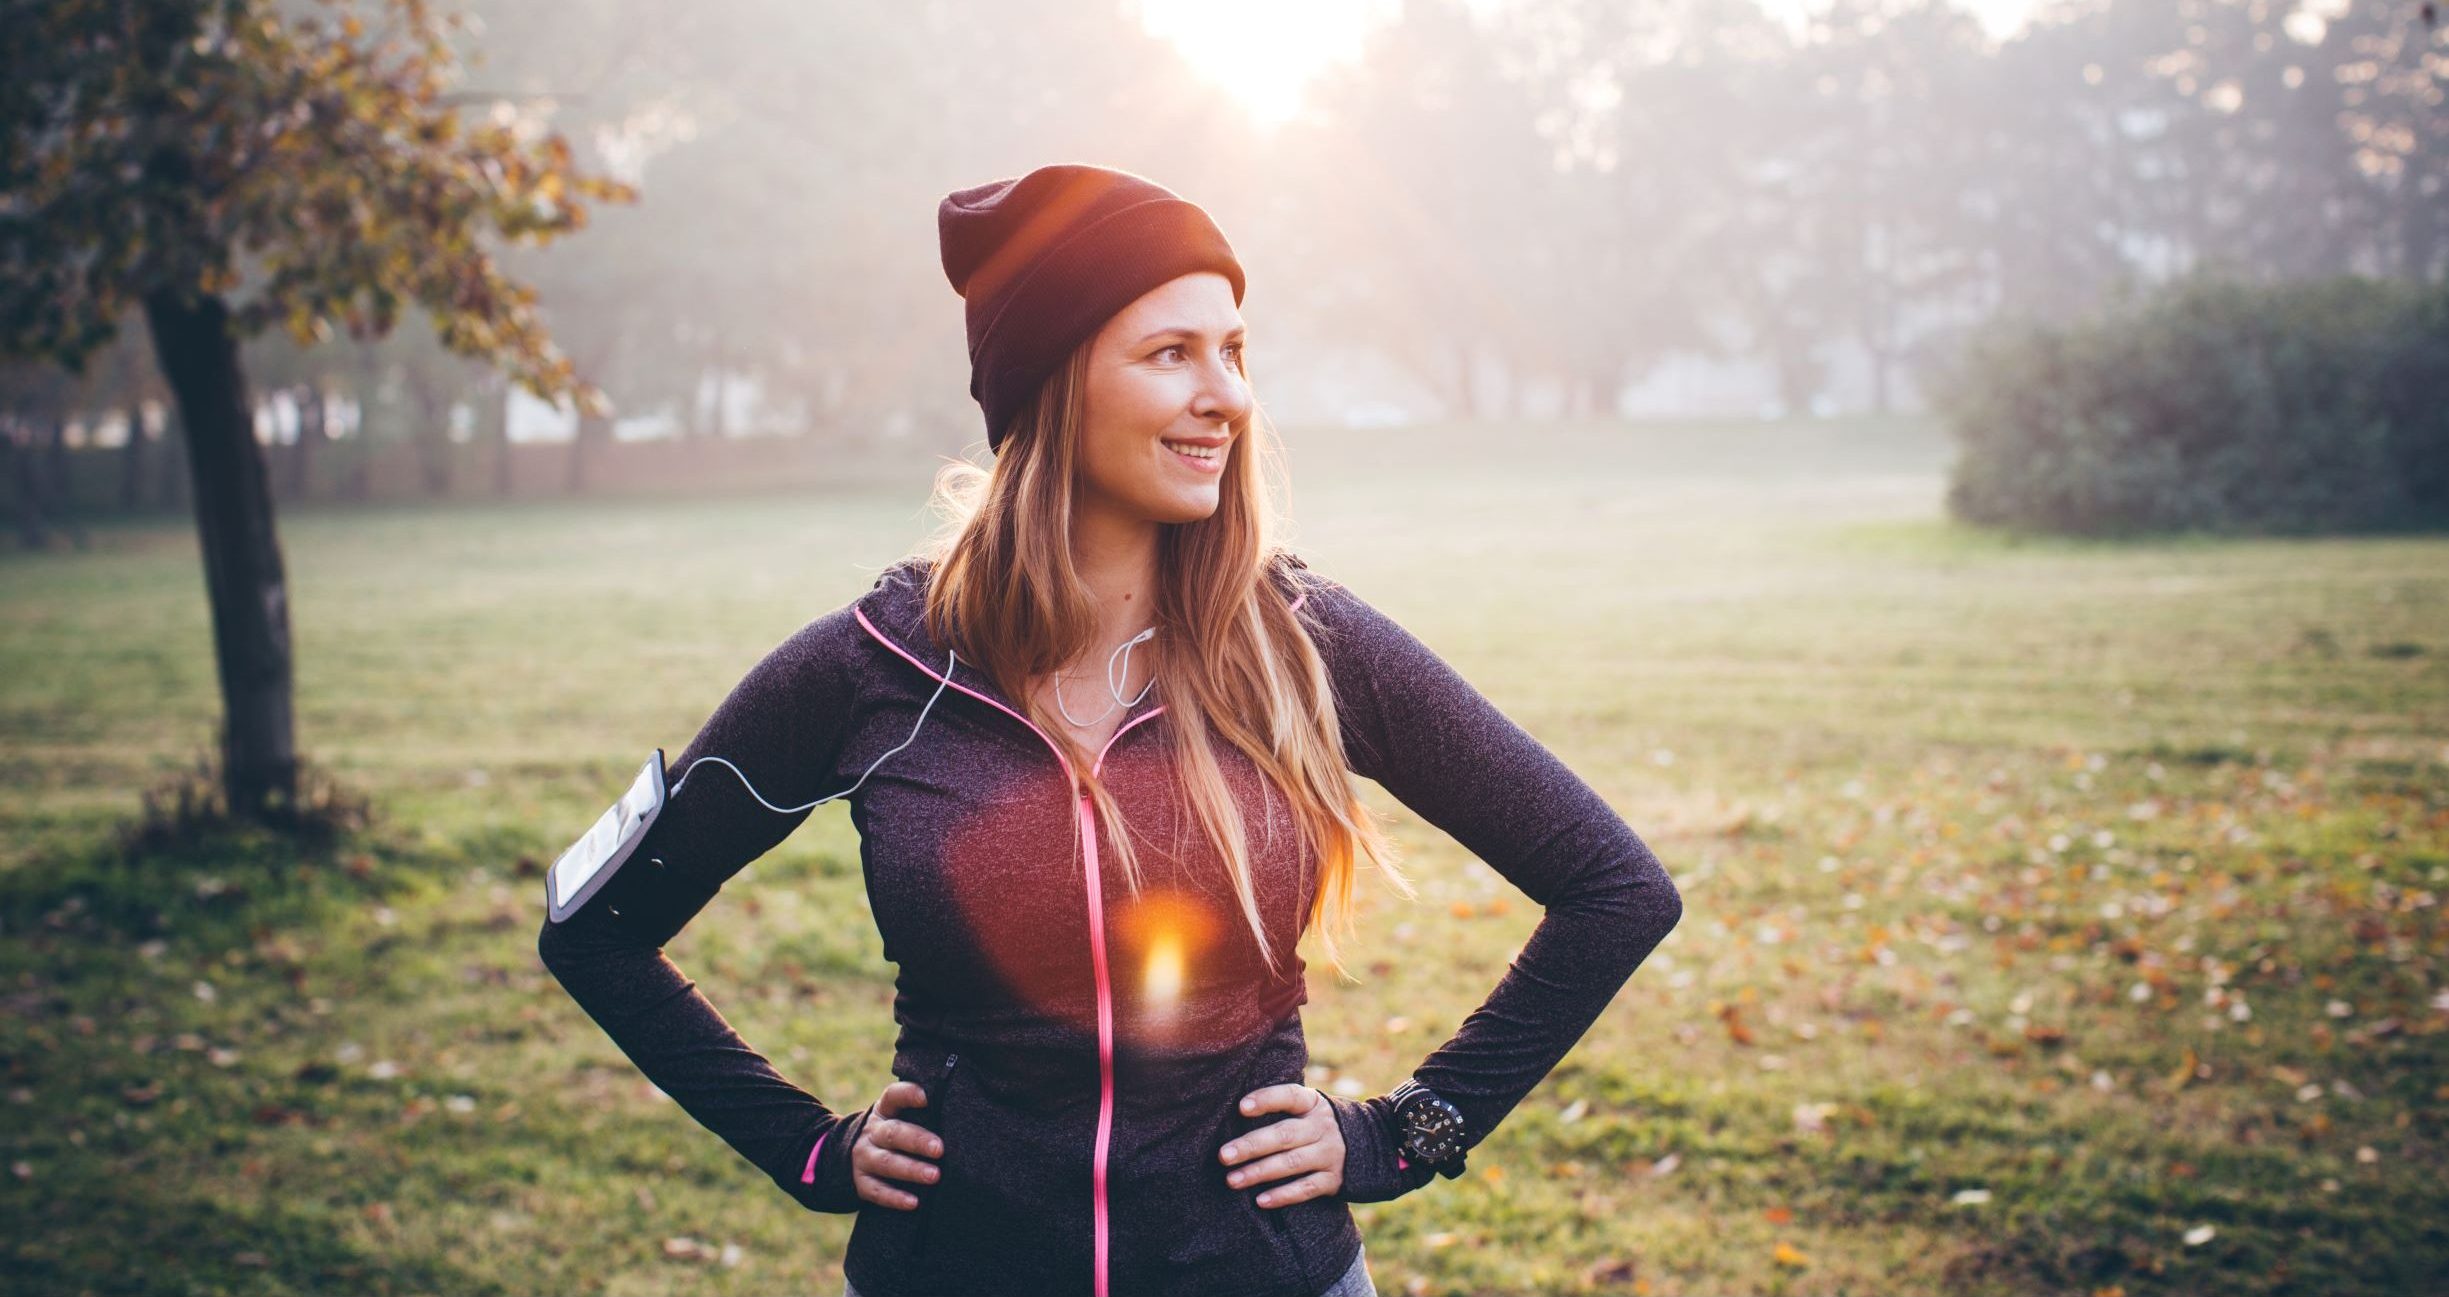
1096, 929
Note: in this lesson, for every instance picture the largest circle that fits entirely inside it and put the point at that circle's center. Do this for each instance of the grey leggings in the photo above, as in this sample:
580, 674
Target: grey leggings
1354, 1283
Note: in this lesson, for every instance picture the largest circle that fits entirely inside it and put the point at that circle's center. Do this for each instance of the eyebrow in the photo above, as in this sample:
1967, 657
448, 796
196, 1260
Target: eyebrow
1184, 331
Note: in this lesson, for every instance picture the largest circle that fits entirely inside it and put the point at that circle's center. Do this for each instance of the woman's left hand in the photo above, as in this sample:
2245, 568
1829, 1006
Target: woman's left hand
1307, 1144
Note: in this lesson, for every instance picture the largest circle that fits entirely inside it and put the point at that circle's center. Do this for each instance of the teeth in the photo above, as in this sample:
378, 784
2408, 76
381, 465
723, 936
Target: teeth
1195, 452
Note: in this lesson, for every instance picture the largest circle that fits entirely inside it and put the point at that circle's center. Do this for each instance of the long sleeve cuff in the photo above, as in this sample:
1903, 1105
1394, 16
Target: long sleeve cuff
1374, 1169
822, 1180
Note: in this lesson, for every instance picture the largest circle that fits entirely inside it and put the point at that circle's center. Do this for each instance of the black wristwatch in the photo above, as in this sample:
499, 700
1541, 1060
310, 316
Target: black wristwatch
1428, 1129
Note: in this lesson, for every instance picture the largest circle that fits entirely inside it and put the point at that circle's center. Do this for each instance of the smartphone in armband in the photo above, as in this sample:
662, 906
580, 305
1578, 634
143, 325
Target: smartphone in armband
599, 853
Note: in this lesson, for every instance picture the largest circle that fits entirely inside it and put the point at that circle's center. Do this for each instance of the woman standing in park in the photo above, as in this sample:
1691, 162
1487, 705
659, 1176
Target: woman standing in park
1098, 743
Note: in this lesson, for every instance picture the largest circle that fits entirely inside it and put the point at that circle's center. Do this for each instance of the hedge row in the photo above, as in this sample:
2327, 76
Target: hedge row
2210, 404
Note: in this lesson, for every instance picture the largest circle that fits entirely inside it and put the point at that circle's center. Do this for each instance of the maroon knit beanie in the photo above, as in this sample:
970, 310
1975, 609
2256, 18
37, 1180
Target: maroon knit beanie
1044, 260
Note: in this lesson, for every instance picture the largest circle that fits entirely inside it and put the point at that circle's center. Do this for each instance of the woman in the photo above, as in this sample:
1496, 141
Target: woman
1097, 742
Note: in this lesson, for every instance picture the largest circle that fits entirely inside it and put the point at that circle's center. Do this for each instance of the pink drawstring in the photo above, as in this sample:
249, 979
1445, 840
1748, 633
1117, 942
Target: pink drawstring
809, 1176
1402, 1163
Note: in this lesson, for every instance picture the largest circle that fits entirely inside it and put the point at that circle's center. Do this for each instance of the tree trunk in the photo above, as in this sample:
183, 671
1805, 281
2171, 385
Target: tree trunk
433, 438
242, 554
58, 489
170, 466
498, 417
720, 423
310, 431
16, 439
592, 430
356, 484
132, 462
1799, 374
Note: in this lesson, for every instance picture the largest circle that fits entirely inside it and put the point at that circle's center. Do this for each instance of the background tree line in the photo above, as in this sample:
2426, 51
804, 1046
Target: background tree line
1505, 211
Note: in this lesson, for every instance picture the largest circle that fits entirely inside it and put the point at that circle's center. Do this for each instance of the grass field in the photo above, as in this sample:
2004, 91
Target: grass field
2060, 917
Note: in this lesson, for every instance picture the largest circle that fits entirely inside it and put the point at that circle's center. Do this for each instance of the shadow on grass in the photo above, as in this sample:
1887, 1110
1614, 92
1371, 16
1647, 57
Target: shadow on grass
211, 890
134, 1243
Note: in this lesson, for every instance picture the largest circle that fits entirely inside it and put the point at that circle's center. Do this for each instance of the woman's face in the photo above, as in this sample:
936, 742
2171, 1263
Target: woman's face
1166, 388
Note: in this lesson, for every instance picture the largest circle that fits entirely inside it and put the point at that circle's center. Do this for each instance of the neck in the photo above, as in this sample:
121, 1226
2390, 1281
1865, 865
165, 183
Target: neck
1117, 559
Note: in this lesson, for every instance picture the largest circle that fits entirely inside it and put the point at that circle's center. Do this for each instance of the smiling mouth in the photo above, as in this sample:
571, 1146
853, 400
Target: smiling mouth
1206, 459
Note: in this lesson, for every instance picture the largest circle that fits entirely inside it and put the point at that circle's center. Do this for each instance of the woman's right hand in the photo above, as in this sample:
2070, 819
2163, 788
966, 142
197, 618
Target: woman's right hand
888, 1147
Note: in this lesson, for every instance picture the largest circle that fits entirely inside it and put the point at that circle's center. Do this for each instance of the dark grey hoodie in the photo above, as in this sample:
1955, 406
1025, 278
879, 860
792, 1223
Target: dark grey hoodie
1081, 1113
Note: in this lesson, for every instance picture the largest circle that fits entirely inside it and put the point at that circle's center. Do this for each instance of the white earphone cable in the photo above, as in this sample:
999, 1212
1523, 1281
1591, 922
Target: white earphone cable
951, 663
1112, 689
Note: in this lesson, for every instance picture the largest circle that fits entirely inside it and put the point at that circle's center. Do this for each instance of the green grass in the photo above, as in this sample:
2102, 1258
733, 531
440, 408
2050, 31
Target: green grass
1943, 804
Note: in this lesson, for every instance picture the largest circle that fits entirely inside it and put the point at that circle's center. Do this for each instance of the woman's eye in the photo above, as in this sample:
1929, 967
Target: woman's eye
1232, 348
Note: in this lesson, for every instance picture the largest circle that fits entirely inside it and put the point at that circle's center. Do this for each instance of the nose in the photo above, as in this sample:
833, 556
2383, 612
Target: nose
1224, 395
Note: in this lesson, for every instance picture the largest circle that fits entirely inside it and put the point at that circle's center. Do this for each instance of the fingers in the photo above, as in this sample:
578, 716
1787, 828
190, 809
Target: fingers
890, 1149
899, 1166
902, 1136
1280, 1098
901, 1095
1317, 1184
1313, 1121
1308, 1157
870, 1164
882, 1193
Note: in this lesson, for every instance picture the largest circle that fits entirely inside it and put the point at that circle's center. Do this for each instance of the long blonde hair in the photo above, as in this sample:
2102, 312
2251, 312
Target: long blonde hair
1230, 656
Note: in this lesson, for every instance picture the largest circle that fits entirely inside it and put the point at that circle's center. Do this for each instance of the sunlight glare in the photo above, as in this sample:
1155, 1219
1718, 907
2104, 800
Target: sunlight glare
1266, 52
1162, 989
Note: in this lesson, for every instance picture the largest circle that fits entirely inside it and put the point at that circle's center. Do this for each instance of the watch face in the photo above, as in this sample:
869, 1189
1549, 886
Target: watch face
1432, 1128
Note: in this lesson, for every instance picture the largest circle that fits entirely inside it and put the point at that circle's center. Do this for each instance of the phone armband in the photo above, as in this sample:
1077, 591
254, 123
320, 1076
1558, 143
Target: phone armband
589, 863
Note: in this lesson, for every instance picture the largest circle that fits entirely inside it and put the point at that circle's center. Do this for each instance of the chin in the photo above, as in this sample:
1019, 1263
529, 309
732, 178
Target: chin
1194, 509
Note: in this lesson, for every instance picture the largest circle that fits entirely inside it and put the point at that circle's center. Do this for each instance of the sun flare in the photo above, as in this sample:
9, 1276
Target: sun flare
1265, 53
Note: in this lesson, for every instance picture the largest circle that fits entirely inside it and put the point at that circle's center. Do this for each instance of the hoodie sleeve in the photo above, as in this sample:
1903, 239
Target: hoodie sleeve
783, 725
1415, 727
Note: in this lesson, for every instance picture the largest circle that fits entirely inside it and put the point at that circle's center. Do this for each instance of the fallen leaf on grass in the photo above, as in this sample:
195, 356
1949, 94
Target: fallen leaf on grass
1615, 1270
2185, 1071
1786, 1254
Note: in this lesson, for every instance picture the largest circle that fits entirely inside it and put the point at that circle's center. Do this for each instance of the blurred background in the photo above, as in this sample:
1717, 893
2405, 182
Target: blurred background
1966, 481
1527, 210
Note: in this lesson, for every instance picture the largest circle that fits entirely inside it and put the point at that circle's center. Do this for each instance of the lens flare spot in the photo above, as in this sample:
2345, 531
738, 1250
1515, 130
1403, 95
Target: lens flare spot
1162, 985
1164, 943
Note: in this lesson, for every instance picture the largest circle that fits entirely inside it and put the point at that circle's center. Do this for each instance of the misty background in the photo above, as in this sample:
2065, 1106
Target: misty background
1525, 210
